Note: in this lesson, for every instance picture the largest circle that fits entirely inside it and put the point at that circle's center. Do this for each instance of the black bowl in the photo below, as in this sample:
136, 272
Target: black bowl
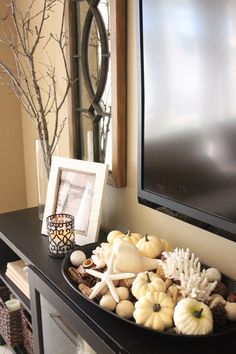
87, 249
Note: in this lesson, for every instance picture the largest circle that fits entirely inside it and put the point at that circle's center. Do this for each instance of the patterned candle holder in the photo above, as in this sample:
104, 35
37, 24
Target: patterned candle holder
61, 236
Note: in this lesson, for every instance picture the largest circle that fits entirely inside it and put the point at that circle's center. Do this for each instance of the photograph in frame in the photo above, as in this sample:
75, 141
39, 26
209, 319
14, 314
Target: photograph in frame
76, 187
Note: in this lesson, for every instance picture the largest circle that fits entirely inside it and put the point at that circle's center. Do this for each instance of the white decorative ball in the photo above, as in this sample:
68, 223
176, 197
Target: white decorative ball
125, 309
213, 274
231, 310
123, 293
108, 302
77, 258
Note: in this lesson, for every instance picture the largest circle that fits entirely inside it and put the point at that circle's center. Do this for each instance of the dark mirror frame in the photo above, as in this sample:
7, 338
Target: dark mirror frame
118, 14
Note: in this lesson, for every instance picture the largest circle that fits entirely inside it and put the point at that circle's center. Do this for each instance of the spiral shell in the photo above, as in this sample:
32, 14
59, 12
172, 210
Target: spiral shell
77, 258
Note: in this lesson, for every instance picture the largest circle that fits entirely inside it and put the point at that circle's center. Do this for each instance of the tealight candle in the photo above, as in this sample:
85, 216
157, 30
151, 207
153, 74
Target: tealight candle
13, 305
61, 237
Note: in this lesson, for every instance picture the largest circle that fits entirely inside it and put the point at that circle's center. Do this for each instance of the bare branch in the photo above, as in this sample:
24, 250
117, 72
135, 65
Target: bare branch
37, 91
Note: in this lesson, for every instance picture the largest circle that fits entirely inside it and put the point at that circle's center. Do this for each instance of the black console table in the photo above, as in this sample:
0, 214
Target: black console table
20, 237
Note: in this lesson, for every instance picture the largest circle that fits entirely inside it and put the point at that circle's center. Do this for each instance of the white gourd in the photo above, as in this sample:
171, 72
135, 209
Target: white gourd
113, 235
147, 282
149, 246
193, 317
154, 310
166, 246
132, 237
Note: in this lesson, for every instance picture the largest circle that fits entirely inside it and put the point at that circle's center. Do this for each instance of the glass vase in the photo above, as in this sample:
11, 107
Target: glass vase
42, 178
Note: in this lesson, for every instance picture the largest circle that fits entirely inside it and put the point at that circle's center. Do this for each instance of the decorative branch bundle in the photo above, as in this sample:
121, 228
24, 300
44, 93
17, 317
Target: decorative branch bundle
23, 32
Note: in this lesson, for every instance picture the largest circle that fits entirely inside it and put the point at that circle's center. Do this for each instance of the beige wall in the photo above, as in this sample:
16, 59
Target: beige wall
121, 209
12, 173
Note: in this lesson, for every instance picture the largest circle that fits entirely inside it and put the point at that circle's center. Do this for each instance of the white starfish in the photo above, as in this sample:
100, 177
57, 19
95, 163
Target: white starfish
107, 279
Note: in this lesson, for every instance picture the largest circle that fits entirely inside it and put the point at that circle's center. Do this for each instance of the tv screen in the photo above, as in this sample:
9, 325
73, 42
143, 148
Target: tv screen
187, 156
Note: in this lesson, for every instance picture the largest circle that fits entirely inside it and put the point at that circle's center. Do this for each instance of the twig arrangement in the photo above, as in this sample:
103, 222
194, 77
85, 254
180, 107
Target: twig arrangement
23, 32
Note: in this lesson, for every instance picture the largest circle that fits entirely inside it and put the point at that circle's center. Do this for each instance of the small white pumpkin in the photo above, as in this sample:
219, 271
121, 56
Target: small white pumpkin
213, 274
147, 282
113, 235
77, 258
149, 246
125, 309
154, 310
231, 310
132, 237
166, 246
193, 317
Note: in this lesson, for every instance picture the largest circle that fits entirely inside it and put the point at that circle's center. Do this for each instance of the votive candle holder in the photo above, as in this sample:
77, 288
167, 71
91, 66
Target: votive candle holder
61, 236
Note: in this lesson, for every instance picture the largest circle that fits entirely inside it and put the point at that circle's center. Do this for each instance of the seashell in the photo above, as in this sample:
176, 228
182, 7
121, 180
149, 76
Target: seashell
213, 274
215, 299
231, 297
77, 258
175, 295
129, 259
160, 271
88, 263
85, 290
171, 290
168, 283
126, 282
101, 255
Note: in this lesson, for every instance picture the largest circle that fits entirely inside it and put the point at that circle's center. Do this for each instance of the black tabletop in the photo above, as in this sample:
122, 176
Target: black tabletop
21, 231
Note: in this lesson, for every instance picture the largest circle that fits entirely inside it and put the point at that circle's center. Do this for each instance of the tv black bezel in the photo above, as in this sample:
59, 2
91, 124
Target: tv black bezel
202, 219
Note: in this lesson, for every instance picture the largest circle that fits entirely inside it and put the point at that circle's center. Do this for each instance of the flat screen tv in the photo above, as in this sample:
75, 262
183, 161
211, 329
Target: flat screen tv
187, 125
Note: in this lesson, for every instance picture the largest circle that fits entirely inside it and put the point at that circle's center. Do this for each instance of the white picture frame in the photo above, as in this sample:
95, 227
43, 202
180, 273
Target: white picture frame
76, 187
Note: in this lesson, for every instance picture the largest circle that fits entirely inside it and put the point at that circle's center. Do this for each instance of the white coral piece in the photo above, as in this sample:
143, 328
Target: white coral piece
101, 255
185, 267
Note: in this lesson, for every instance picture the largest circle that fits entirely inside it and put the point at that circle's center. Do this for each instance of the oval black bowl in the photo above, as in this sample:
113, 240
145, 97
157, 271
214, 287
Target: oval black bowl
87, 249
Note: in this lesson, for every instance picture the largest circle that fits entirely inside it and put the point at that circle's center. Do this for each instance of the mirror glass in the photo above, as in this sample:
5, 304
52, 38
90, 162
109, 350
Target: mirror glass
98, 28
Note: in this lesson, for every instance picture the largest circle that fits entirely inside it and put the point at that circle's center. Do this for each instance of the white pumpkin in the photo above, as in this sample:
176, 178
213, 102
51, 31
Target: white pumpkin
132, 237
166, 246
149, 246
154, 310
147, 282
113, 235
193, 317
